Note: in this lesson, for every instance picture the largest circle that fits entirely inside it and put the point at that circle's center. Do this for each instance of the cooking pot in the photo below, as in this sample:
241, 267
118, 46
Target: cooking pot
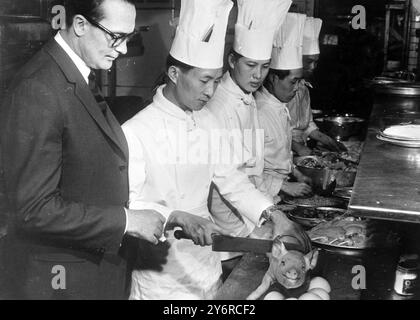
326, 179
341, 127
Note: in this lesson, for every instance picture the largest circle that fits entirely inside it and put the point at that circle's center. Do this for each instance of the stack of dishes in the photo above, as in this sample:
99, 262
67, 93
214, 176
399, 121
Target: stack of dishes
407, 135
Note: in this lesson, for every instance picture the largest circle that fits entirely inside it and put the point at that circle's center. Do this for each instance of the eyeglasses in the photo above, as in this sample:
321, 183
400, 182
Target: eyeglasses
116, 39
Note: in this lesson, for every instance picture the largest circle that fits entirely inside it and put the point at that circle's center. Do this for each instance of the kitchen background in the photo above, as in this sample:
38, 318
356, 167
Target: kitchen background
349, 57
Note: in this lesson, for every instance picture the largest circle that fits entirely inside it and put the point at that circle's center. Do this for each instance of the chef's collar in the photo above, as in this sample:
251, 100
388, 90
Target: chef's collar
234, 89
169, 107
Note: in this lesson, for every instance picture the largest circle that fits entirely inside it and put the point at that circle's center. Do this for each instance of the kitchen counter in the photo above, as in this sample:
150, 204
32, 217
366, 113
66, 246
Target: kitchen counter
387, 184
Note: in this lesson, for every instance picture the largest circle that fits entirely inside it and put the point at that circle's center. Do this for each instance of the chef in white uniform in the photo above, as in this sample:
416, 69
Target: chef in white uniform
279, 88
300, 107
233, 103
172, 163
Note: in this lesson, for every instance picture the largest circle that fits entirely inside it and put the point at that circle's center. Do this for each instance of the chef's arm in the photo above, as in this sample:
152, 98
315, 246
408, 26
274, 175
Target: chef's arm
301, 149
270, 183
327, 141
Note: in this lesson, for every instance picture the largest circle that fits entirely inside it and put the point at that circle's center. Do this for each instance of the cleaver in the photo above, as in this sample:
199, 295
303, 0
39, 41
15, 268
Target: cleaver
239, 244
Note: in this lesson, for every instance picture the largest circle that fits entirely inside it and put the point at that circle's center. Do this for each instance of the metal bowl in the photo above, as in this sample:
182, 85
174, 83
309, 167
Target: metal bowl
341, 127
325, 180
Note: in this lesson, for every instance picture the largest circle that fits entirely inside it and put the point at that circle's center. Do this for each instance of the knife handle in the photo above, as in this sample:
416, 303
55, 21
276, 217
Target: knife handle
180, 234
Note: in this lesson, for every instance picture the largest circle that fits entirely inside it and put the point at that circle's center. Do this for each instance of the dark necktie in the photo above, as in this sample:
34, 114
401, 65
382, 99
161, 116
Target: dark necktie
97, 92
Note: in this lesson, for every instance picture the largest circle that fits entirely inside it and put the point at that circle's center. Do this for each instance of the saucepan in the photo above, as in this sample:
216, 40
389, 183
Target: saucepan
341, 127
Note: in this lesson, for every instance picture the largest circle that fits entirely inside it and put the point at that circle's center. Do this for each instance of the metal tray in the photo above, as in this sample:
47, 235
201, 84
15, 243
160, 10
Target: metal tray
401, 89
334, 202
401, 143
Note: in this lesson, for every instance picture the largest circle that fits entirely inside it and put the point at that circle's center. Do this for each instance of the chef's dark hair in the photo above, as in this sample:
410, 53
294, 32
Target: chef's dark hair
88, 8
236, 56
279, 73
171, 61
163, 77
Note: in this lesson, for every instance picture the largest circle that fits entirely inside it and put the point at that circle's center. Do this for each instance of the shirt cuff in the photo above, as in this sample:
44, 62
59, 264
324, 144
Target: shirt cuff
126, 220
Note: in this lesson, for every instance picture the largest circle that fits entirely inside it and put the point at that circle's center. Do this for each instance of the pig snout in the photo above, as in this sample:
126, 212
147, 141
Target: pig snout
292, 274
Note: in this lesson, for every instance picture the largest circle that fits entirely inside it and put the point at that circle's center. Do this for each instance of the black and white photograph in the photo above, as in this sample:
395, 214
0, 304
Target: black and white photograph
228, 151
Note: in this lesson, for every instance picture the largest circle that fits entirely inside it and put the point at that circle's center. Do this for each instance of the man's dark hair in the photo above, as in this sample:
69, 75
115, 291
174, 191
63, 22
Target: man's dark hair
87, 8
236, 56
171, 61
280, 73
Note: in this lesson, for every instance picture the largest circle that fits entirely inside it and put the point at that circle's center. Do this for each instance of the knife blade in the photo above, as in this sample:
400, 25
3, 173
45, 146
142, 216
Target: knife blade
240, 244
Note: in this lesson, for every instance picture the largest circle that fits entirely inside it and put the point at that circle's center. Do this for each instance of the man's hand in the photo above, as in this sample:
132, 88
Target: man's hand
145, 224
197, 228
296, 189
282, 226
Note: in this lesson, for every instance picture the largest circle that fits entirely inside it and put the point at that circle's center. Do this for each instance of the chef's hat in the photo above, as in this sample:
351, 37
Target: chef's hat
311, 35
200, 35
257, 22
287, 51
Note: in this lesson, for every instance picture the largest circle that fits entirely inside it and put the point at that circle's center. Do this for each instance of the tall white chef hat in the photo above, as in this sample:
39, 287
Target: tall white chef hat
200, 35
311, 35
257, 22
287, 50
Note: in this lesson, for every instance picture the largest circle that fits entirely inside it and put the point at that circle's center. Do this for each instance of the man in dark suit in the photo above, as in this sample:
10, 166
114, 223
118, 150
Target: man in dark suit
65, 163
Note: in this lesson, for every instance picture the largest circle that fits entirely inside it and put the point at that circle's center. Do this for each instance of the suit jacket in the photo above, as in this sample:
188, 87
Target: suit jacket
65, 172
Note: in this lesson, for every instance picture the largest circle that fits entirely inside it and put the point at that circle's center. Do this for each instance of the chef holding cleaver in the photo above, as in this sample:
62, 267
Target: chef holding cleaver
162, 178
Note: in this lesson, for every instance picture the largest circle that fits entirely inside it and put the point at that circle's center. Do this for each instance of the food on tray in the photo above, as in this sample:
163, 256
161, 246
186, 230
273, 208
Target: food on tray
330, 160
343, 231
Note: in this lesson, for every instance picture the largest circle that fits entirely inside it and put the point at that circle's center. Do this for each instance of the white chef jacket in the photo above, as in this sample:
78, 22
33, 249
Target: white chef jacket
165, 174
301, 114
235, 110
275, 119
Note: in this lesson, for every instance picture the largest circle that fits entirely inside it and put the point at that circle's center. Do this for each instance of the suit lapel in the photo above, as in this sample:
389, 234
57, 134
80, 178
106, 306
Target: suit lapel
83, 93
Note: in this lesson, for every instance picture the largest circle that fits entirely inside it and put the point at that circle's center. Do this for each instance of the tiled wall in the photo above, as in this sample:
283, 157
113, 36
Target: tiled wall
414, 41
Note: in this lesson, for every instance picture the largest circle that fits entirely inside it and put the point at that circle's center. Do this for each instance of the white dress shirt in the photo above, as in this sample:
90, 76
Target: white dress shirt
80, 64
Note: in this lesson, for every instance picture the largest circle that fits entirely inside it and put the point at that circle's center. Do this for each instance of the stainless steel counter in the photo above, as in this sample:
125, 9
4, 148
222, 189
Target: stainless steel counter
387, 184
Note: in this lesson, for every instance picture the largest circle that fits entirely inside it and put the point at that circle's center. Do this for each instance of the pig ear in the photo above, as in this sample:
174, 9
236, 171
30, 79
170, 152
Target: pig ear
278, 248
311, 258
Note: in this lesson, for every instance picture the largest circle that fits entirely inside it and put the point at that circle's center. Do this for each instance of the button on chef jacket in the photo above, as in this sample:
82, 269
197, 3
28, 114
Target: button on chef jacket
275, 120
236, 110
301, 115
162, 178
